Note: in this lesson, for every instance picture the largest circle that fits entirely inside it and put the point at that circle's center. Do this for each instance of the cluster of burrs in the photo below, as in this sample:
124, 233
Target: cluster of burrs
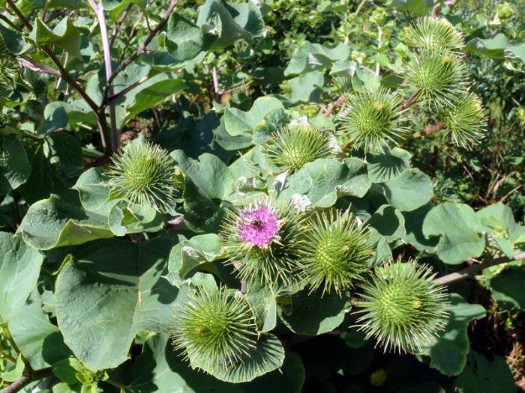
436, 78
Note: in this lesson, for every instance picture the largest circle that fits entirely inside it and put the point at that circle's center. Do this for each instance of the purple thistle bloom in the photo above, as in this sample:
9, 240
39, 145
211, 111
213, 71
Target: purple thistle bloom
259, 226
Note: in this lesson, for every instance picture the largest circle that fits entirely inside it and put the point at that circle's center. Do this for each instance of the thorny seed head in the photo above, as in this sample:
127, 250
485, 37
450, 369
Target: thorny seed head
144, 174
432, 33
465, 121
403, 308
439, 76
337, 252
214, 329
371, 120
294, 146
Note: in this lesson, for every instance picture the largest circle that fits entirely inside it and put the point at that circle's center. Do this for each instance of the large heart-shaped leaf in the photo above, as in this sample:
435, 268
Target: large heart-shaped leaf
460, 231
19, 271
449, 353
109, 291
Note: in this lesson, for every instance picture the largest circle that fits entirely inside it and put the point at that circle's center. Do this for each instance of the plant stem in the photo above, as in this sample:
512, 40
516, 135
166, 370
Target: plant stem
337, 103
438, 126
412, 100
11, 24
118, 24
101, 16
471, 271
27, 378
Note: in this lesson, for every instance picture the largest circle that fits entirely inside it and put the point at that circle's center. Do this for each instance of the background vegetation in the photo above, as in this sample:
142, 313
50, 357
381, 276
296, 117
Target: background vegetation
194, 80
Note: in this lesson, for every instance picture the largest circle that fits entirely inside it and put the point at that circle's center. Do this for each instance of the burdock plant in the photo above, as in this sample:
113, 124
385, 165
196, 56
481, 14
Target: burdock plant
214, 329
337, 252
144, 174
294, 146
403, 308
432, 33
262, 241
439, 76
465, 120
371, 120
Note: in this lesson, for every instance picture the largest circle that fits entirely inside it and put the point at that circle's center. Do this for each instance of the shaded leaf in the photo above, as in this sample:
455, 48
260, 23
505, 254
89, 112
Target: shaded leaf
110, 292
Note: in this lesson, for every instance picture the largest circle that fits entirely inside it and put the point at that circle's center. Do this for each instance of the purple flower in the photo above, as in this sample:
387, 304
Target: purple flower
259, 226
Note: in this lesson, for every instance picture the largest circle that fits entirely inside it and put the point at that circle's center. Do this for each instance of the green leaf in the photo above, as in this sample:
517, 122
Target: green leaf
365, 80
19, 271
150, 93
267, 355
311, 57
64, 35
459, 229
418, 7
184, 39
15, 373
54, 222
208, 182
449, 353
160, 369
43, 180
14, 168
68, 115
484, 376
314, 314
38, 339
263, 304
237, 122
500, 224
385, 167
307, 87
414, 228
497, 47
324, 180
66, 152
225, 22
110, 292
116, 7
508, 288
288, 379
14, 41
389, 222
92, 188
189, 255
409, 191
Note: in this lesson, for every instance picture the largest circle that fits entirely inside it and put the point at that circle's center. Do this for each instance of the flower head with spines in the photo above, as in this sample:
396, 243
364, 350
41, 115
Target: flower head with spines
292, 147
433, 33
465, 120
403, 308
337, 253
215, 329
144, 174
438, 76
370, 120
262, 241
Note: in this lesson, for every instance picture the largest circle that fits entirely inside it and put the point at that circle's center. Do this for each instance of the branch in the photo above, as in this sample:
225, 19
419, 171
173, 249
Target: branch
413, 99
144, 45
101, 117
471, 271
26, 379
11, 24
118, 24
37, 67
111, 99
340, 101
429, 130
